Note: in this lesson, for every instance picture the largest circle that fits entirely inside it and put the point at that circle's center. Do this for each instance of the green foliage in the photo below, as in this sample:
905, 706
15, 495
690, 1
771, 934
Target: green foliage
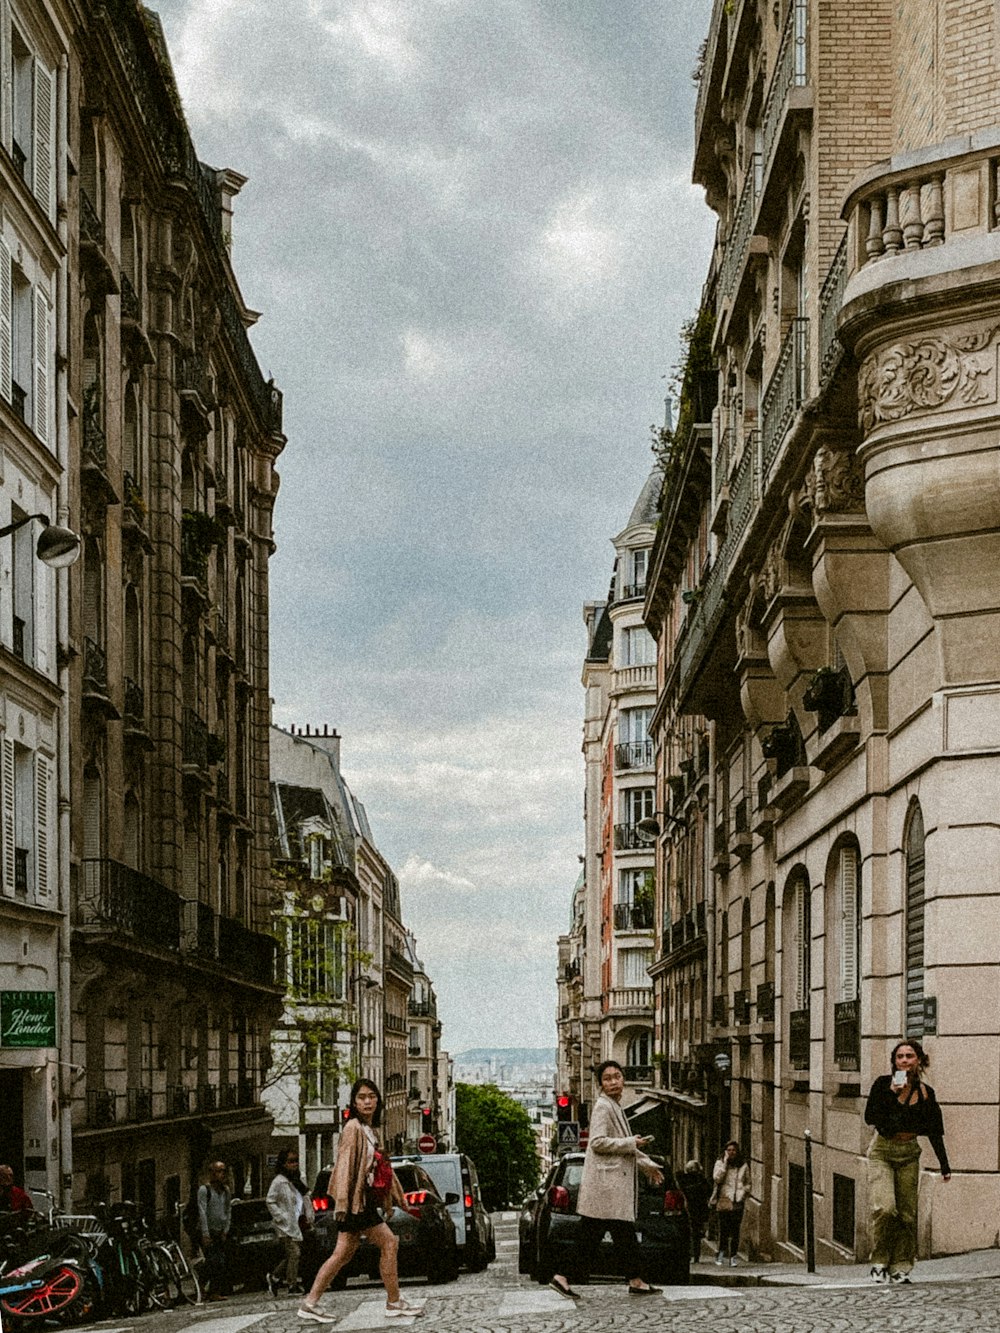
495, 1131
695, 383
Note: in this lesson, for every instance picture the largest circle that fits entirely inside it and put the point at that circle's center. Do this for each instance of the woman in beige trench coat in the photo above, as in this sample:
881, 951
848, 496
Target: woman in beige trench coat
609, 1190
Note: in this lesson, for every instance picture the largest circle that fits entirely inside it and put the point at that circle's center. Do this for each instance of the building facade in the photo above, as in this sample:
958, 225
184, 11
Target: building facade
826, 611
174, 434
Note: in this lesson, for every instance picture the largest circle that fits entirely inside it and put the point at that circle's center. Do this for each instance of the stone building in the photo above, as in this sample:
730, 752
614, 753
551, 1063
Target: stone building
173, 433
826, 609
425, 1113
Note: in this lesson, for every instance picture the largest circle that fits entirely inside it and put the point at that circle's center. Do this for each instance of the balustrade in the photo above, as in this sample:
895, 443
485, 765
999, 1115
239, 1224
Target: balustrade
831, 298
785, 392
790, 71
740, 232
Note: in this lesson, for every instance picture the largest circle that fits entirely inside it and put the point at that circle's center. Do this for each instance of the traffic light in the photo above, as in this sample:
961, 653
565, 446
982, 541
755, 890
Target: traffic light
426, 1117
564, 1107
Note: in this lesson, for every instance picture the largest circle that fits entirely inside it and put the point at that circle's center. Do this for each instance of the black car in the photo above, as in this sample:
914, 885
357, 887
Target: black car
424, 1229
254, 1247
548, 1234
455, 1174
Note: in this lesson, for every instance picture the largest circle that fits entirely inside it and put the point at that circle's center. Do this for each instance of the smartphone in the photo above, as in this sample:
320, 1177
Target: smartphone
899, 1078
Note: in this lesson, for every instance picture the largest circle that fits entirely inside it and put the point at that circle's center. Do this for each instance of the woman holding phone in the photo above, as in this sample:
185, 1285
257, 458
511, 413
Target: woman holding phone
900, 1106
609, 1190
732, 1184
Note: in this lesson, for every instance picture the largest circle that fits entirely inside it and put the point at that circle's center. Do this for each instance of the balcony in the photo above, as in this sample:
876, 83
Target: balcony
847, 1034
178, 1100
95, 692
634, 755
765, 1002
788, 101
115, 898
631, 916
197, 398
139, 1103
246, 953
784, 749
420, 1009
642, 677
739, 245
21, 862
798, 1038
638, 1073
101, 1108
700, 627
631, 999
206, 1097
785, 393
629, 839
101, 278
632, 591
200, 929
195, 742
19, 401
741, 839
831, 298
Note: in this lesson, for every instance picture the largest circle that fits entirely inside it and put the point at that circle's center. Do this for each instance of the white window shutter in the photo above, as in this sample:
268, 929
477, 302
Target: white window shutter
6, 322
848, 923
8, 815
42, 369
44, 183
43, 825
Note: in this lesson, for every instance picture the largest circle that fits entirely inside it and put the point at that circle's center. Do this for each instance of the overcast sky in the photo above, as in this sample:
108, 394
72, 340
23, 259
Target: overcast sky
470, 228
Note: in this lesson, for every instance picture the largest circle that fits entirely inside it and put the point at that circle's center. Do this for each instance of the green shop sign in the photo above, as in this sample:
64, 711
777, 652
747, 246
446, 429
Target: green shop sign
27, 1018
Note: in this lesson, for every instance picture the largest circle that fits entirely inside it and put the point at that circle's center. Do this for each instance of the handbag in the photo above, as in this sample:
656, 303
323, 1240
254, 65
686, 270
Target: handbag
381, 1178
724, 1203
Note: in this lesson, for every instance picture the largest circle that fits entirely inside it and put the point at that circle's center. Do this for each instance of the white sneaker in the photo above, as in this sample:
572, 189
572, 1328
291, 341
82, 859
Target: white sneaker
732, 1262
313, 1312
897, 1279
403, 1310
878, 1273
718, 1261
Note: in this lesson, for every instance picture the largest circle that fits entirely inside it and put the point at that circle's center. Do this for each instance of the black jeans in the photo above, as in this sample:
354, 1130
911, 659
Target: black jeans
216, 1273
729, 1230
589, 1237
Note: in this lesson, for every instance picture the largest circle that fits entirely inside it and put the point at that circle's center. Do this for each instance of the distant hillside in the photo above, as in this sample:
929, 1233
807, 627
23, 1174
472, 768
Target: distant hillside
507, 1055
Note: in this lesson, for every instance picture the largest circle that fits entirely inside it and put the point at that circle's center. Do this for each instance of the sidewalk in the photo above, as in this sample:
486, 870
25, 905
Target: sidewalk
953, 1268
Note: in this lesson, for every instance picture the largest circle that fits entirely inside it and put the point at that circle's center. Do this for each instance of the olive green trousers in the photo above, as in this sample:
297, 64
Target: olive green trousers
893, 1184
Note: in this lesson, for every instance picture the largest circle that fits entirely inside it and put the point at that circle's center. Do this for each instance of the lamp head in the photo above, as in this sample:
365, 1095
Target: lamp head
648, 829
57, 546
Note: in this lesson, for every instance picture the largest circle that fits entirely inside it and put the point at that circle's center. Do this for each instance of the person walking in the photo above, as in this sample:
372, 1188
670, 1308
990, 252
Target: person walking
900, 1106
291, 1211
362, 1181
696, 1190
609, 1189
732, 1184
13, 1199
215, 1215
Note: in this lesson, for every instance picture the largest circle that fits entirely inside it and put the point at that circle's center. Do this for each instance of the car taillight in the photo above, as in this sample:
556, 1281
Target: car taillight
468, 1201
414, 1201
321, 1205
559, 1199
673, 1201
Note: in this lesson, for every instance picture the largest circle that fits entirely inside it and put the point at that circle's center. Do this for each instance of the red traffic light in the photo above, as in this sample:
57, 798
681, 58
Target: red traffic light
564, 1107
564, 1101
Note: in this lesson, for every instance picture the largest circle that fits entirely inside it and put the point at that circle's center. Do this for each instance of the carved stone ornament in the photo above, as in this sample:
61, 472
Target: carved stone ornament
836, 482
771, 572
925, 373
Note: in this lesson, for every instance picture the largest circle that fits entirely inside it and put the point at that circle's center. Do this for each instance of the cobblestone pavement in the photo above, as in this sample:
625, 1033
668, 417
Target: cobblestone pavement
499, 1301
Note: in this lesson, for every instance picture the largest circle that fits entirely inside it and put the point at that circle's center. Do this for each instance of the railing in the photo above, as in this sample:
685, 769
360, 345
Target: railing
193, 377
195, 740
139, 1104
95, 442
95, 667
702, 621
206, 1097
393, 1023
201, 935
91, 226
19, 401
831, 297
741, 816
401, 963
847, 1034
790, 71
420, 1008
634, 754
724, 458
830, 695
247, 953
765, 1002
178, 1100
629, 917
113, 896
784, 744
101, 1108
739, 234
719, 11
135, 702
629, 839
413, 1050
798, 1038
632, 590
785, 391
18, 645
130, 306
635, 677
741, 1007
21, 870
638, 1073
631, 997
744, 493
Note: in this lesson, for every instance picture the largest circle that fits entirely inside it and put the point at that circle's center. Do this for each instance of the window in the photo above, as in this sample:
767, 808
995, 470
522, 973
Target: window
633, 967
29, 116
26, 345
27, 798
633, 884
317, 953
803, 942
639, 1047
633, 726
637, 803
914, 939
849, 905
320, 1075
638, 646
634, 580
843, 1211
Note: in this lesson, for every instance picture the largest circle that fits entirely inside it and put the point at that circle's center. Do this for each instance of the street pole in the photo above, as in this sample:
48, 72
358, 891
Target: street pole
810, 1233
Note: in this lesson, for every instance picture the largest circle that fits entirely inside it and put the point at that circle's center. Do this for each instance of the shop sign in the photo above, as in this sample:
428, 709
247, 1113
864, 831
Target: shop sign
27, 1018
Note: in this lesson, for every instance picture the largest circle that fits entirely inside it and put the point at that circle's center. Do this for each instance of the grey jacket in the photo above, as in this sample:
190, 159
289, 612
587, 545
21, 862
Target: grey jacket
610, 1184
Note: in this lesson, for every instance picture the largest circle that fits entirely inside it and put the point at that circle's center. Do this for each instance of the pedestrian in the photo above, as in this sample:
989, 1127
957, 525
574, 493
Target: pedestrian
13, 1199
609, 1188
696, 1189
900, 1106
291, 1211
215, 1214
362, 1182
732, 1184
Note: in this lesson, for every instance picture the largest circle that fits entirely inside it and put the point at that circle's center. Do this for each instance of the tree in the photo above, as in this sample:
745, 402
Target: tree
496, 1132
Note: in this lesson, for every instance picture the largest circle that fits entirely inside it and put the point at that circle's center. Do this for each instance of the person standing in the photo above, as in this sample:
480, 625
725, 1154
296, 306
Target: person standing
291, 1212
215, 1214
900, 1106
13, 1199
609, 1190
696, 1190
362, 1181
732, 1184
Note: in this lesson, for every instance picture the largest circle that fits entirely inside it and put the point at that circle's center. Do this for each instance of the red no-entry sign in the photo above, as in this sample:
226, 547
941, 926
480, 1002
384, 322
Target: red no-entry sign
427, 1143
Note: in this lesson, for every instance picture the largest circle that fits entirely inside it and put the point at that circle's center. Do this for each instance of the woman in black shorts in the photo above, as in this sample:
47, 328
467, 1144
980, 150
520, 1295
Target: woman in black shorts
356, 1206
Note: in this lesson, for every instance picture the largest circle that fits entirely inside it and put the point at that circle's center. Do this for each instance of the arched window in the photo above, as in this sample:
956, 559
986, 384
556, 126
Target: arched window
638, 1055
797, 967
769, 932
914, 940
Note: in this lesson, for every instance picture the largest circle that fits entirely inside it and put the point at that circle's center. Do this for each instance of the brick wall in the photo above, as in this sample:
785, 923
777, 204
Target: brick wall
944, 69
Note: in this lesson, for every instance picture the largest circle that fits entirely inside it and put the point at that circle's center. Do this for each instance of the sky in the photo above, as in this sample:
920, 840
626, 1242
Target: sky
470, 229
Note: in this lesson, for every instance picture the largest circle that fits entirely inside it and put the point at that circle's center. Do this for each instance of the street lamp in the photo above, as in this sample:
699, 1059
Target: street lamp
649, 829
57, 547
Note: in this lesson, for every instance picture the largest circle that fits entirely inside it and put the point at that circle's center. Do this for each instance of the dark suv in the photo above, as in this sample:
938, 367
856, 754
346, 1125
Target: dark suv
455, 1174
548, 1232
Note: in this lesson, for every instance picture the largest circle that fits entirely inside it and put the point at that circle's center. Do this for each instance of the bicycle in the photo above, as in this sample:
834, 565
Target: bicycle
182, 1278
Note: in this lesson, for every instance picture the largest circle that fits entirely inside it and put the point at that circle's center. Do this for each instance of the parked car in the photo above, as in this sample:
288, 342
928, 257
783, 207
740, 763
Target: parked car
454, 1173
525, 1223
548, 1238
254, 1248
424, 1229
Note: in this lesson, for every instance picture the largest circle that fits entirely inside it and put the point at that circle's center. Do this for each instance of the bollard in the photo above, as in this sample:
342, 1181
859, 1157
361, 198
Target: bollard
810, 1233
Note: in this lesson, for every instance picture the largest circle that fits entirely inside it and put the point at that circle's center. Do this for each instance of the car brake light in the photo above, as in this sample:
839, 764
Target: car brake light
414, 1200
559, 1199
673, 1201
468, 1201
320, 1205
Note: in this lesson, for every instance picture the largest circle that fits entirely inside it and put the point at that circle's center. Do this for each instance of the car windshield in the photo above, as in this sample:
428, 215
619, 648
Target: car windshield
445, 1174
412, 1178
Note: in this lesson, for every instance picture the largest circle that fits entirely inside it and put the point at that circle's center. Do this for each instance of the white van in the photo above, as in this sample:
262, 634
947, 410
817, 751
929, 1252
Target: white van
454, 1173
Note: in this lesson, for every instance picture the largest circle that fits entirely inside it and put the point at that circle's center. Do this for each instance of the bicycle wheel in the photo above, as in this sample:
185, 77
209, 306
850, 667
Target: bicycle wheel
183, 1279
157, 1274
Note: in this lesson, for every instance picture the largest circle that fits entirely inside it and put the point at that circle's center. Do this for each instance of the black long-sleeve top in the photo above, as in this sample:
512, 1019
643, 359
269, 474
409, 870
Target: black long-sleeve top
921, 1116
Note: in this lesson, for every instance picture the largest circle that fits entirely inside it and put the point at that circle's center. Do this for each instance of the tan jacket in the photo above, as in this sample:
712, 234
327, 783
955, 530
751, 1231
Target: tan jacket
348, 1179
610, 1184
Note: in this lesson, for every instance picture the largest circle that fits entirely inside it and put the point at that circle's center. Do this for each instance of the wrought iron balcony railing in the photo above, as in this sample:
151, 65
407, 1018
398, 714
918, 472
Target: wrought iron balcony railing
790, 71
629, 839
101, 1108
765, 1002
113, 896
798, 1038
847, 1034
785, 393
629, 916
634, 754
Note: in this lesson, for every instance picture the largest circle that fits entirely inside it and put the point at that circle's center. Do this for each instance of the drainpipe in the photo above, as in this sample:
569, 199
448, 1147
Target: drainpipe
64, 1073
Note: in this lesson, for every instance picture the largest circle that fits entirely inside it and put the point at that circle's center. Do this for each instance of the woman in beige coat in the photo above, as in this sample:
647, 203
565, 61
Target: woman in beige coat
609, 1190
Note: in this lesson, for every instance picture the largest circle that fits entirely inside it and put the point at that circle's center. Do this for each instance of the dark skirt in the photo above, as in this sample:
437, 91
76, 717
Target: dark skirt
368, 1217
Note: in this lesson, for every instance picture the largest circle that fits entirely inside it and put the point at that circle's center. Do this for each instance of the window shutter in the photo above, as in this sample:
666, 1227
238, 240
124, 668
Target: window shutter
802, 946
42, 362
848, 923
43, 824
915, 926
8, 816
6, 323
6, 91
44, 184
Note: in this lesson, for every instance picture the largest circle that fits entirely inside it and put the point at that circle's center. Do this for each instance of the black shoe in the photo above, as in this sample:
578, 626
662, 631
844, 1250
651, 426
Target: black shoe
564, 1289
644, 1291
